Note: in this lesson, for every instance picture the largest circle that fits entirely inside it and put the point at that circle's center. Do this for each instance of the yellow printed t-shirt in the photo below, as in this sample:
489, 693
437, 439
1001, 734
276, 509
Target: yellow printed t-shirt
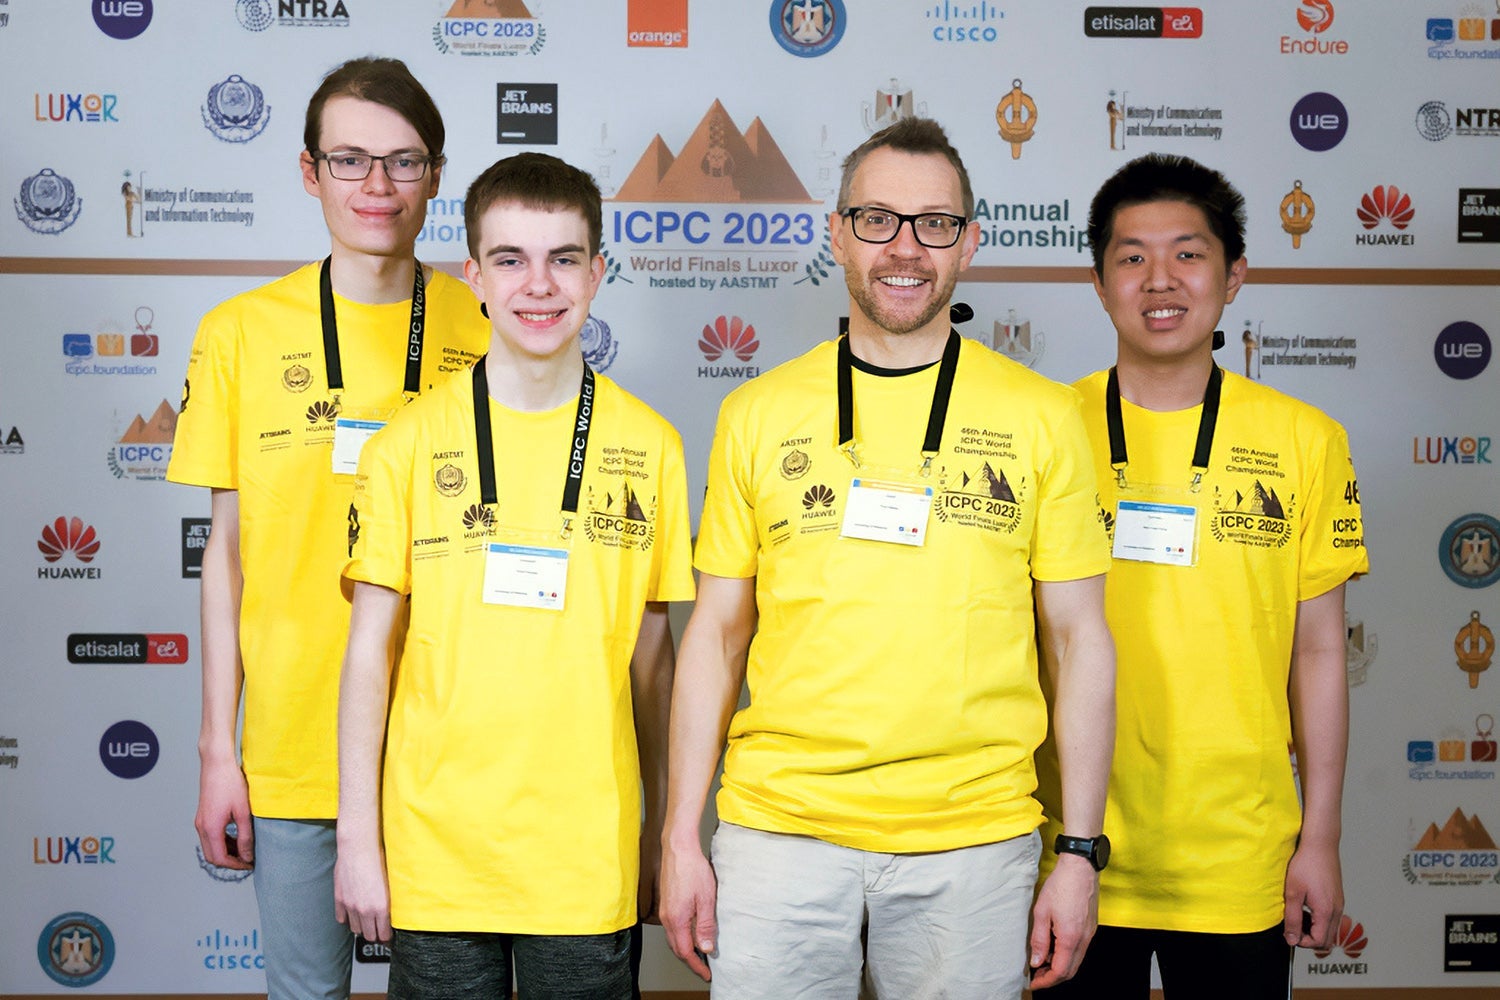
257, 417
894, 703
512, 788
1203, 812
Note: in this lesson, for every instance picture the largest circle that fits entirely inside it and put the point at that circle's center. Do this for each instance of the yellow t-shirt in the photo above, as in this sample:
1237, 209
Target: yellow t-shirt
894, 703
257, 417
512, 791
1203, 811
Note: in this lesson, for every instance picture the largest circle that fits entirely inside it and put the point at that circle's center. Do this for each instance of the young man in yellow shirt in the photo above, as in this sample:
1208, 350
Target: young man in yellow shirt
878, 587
1235, 519
533, 516
283, 385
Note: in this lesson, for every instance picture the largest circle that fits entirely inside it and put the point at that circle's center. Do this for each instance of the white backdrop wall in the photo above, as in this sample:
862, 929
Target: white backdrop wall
149, 155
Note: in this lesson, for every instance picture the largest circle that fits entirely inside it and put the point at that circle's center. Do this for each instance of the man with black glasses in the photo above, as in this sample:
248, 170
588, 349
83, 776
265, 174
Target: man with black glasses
284, 385
887, 517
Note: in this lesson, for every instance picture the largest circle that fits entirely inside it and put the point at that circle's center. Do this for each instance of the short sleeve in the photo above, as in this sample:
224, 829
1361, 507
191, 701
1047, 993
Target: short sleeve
380, 513
728, 540
1070, 541
205, 447
1332, 545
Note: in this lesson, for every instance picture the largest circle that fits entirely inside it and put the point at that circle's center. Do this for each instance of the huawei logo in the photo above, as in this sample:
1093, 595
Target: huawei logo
1386, 202
818, 496
1351, 939
728, 334
69, 535
478, 516
322, 411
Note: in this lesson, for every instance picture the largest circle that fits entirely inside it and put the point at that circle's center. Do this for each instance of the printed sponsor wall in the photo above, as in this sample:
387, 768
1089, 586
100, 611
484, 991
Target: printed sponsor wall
150, 164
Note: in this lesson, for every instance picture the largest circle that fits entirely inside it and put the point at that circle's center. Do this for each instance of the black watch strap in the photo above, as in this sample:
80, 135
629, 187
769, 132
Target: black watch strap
1094, 849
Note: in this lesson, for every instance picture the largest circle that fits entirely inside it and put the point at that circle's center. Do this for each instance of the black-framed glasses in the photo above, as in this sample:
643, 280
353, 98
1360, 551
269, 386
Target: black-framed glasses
937, 230
351, 166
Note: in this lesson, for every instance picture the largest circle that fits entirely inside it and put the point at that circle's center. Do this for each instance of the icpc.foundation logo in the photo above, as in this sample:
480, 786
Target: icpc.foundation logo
75, 949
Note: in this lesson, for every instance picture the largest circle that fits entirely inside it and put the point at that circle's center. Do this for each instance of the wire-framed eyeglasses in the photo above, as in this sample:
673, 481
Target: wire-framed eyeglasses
937, 230
346, 165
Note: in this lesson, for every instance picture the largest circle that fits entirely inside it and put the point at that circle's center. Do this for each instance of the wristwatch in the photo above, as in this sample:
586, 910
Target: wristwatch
1095, 849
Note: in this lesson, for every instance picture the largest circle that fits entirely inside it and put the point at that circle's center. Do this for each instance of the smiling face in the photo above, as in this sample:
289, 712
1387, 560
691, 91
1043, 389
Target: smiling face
902, 286
375, 216
535, 276
1165, 282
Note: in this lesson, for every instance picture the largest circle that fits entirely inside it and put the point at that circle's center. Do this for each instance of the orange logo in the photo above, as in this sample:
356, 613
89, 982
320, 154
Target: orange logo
657, 24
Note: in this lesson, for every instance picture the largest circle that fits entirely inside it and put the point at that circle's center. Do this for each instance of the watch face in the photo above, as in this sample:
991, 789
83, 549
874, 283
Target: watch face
1101, 852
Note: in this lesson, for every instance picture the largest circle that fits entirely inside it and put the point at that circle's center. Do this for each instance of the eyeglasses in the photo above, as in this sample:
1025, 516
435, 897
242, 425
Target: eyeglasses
937, 230
347, 166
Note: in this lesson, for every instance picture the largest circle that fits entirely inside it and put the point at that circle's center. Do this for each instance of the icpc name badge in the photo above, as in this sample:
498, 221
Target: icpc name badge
235, 110
47, 202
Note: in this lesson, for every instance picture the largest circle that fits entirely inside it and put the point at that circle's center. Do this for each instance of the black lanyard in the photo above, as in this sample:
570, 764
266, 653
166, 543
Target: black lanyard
583, 421
331, 360
941, 392
1207, 421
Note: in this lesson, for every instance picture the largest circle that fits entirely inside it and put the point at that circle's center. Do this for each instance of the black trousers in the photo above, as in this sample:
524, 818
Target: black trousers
1117, 966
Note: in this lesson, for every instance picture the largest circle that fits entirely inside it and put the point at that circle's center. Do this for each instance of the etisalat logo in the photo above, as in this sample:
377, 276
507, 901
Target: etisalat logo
728, 335
488, 28
764, 233
1460, 852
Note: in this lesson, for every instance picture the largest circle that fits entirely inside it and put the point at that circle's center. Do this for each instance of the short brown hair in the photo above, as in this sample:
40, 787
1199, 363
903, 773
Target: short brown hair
909, 135
380, 81
534, 180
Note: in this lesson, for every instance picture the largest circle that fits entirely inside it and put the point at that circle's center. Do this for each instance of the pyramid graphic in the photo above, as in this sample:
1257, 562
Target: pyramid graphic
1458, 834
629, 506
718, 163
489, 9
988, 483
158, 430
1259, 502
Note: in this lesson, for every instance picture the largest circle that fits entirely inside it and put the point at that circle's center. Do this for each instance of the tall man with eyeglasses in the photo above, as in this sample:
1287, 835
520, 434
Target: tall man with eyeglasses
284, 384
887, 518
